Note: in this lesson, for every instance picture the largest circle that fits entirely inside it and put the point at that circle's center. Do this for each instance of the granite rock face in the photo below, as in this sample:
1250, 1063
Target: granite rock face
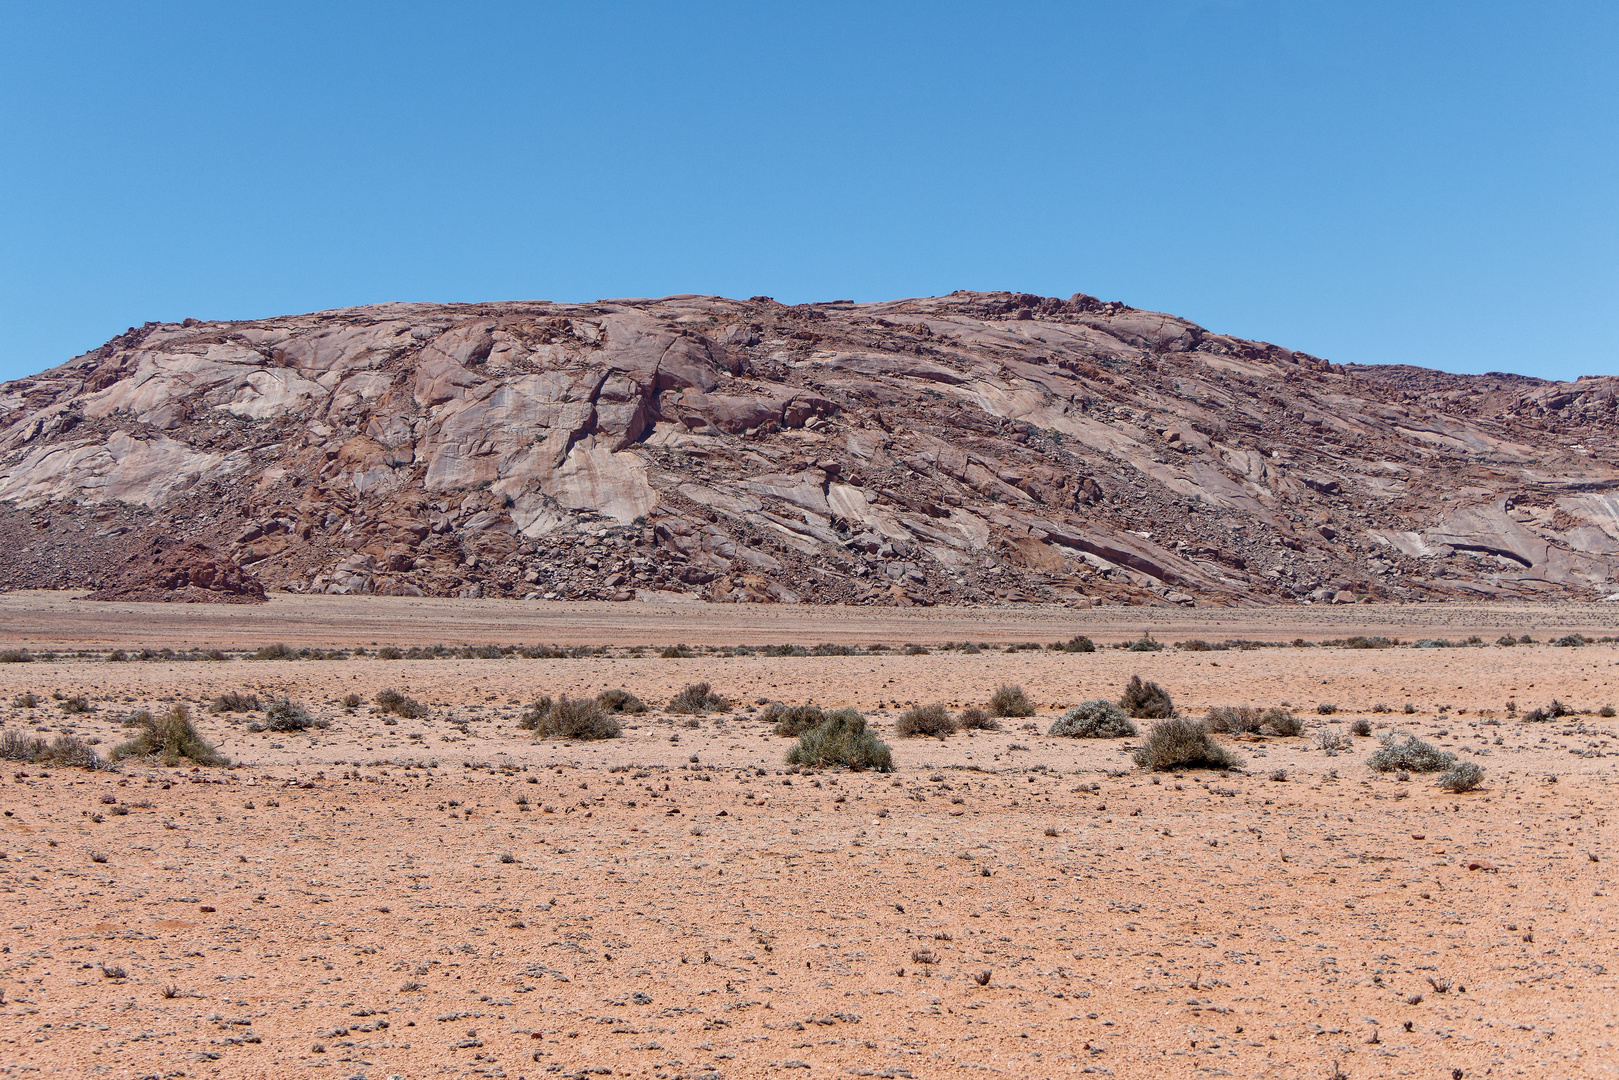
976, 447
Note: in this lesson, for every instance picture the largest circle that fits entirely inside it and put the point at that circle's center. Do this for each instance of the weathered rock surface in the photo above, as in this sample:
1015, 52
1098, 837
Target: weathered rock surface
972, 447
188, 572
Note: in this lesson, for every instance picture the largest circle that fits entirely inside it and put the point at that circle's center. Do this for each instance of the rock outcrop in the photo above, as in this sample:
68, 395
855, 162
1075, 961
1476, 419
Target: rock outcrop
172, 571
972, 447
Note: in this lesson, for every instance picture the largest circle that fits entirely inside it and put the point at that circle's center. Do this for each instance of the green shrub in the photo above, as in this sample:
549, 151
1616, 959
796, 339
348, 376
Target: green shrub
392, 701
1145, 643
1571, 641
1413, 755
171, 737
1282, 722
1462, 776
1146, 700
792, 720
934, 720
1177, 743
620, 701
975, 719
1077, 643
1010, 700
1241, 719
66, 752
234, 702
698, 698
842, 741
1094, 719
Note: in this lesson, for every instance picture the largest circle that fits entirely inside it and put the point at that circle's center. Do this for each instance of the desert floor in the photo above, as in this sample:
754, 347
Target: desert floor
445, 896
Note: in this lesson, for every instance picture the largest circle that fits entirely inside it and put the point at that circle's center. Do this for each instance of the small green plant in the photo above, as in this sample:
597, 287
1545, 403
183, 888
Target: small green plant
392, 702
621, 701
234, 702
1177, 743
1010, 700
1146, 700
973, 718
170, 737
934, 720
1094, 719
698, 698
1413, 755
843, 741
1462, 776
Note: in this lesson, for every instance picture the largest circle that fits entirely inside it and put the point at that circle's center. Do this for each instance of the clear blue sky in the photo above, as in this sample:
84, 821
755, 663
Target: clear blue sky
1427, 183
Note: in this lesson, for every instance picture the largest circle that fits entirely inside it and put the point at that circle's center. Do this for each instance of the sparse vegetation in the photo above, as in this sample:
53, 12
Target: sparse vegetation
677, 652
351, 700
15, 656
934, 720
74, 704
1145, 643
1146, 700
973, 718
570, 718
843, 740
66, 751
1360, 726
1548, 712
1180, 743
1571, 641
792, 720
235, 702
698, 698
1413, 755
1326, 708
1236, 719
1462, 776
1094, 719
275, 652
285, 715
1010, 700
170, 737
620, 701
1282, 722
25, 700
1078, 643
392, 702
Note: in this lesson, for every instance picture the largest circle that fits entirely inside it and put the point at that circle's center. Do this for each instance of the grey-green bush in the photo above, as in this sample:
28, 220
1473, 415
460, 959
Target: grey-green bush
284, 714
792, 720
65, 752
570, 718
1146, 700
934, 720
1094, 719
1242, 719
392, 701
621, 701
235, 702
1282, 722
170, 737
1413, 755
973, 718
1010, 700
698, 698
1177, 743
1462, 776
843, 740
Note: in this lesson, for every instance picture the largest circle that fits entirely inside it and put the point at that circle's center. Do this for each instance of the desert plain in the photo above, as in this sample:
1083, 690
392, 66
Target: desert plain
445, 895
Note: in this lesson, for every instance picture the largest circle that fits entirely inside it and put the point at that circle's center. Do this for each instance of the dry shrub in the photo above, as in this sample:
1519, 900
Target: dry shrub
1094, 719
1462, 776
620, 701
1282, 722
171, 737
1178, 743
792, 720
570, 718
67, 751
932, 719
392, 701
842, 740
234, 702
1237, 719
1360, 726
1010, 701
698, 698
973, 718
1413, 755
284, 714
1146, 700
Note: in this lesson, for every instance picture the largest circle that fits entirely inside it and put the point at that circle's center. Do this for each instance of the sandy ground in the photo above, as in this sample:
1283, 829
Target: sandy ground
447, 897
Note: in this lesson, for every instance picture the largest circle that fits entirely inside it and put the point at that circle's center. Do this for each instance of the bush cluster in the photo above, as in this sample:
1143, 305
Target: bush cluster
1177, 743
1413, 755
391, 701
934, 720
1010, 700
170, 737
65, 752
1094, 719
698, 698
570, 718
1146, 700
843, 740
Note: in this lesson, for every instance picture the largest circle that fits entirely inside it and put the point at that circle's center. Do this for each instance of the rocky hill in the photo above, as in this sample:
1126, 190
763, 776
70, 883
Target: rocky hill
967, 448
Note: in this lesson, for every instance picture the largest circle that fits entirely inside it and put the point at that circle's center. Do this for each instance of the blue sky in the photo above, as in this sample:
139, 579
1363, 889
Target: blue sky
1425, 183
